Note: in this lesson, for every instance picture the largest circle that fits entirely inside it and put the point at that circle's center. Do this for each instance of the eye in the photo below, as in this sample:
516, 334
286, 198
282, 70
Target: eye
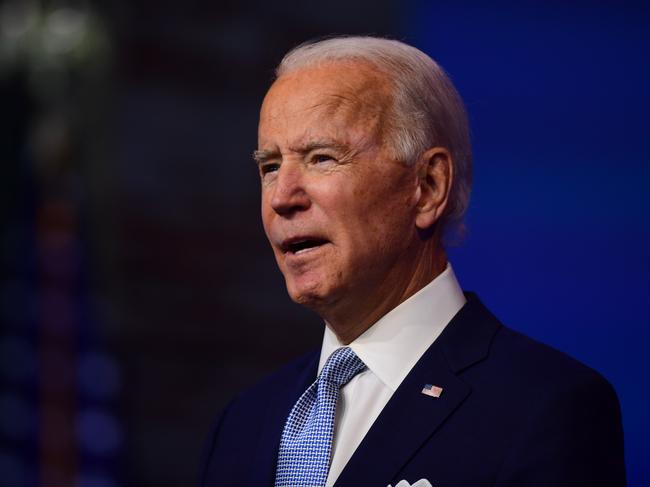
269, 168
319, 158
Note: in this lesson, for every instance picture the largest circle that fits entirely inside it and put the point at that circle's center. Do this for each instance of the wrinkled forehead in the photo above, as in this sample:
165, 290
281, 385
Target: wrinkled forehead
352, 94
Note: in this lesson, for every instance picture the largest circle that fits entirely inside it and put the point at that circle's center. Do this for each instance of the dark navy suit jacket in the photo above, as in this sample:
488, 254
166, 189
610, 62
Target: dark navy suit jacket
513, 412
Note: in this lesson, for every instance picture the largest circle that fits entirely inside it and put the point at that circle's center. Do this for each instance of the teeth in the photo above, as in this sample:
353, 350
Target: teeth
304, 245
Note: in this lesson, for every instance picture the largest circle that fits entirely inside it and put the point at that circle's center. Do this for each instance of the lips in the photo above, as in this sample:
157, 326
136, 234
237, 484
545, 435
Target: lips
301, 244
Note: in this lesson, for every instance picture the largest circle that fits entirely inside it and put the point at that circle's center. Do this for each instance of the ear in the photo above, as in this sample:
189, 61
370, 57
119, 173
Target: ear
435, 172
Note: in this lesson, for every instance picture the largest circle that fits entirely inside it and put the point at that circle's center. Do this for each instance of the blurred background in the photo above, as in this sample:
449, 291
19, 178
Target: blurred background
137, 292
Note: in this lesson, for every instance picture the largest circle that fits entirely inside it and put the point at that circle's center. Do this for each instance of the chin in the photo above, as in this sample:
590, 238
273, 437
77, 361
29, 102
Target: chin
305, 297
311, 294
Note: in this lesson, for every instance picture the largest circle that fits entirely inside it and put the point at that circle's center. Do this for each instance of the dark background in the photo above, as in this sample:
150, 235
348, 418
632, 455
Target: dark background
137, 292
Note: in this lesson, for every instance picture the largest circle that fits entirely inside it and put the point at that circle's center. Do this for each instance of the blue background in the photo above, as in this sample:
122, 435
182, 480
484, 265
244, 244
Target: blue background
138, 293
559, 229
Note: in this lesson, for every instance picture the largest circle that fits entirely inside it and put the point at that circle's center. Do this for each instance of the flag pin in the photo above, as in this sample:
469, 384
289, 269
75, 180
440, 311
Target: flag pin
431, 390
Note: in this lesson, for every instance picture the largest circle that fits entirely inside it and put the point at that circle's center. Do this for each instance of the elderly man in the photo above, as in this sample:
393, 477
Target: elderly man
365, 166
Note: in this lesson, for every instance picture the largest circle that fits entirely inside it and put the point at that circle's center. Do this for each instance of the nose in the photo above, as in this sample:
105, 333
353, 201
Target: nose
289, 192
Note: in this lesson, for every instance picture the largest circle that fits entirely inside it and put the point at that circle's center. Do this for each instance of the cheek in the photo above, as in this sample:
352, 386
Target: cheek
265, 224
267, 215
384, 220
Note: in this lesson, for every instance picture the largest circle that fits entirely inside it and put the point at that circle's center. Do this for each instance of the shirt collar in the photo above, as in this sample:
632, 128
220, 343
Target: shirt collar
393, 345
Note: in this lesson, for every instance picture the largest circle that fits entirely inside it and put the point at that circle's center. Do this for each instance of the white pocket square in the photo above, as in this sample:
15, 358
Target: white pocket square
419, 483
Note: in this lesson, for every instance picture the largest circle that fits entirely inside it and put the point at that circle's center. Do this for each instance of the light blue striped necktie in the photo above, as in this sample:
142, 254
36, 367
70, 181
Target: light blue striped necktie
306, 444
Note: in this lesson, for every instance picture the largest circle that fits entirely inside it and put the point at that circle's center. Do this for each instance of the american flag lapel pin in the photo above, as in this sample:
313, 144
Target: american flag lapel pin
431, 390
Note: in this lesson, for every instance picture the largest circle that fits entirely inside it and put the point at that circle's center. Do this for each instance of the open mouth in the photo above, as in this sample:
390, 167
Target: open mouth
298, 246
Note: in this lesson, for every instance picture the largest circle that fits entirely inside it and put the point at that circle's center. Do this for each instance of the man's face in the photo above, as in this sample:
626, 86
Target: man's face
337, 209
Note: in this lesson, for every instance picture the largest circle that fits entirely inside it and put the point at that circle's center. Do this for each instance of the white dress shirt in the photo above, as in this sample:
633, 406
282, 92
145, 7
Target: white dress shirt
390, 348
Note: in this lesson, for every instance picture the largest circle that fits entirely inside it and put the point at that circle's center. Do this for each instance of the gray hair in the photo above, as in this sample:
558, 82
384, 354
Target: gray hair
427, 110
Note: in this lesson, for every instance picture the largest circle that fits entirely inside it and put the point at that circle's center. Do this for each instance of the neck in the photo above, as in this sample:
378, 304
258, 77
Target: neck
349, 320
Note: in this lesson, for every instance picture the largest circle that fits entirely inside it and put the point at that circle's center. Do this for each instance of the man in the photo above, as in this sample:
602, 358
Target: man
365, 165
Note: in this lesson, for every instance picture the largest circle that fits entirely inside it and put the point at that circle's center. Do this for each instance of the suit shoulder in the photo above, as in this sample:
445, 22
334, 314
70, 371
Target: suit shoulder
562, 415
282, 379
542, 365
254, 417
280, 385
512, 360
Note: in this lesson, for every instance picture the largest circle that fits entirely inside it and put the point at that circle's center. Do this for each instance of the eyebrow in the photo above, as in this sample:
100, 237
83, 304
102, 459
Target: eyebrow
263, 155
319, 144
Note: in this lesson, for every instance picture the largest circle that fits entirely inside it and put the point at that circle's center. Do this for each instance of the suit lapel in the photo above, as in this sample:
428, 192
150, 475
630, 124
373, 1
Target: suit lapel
406, 422
279, 407
410, 418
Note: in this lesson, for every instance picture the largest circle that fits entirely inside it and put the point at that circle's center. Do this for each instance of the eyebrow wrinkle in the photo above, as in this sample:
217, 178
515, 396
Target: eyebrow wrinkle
260, 156
319, 144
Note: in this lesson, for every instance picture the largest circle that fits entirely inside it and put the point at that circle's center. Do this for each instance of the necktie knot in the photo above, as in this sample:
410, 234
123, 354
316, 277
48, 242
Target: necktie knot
341, 367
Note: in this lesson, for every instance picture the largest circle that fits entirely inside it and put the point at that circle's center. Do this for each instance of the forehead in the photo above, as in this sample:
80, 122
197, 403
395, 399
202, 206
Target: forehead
340, 96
